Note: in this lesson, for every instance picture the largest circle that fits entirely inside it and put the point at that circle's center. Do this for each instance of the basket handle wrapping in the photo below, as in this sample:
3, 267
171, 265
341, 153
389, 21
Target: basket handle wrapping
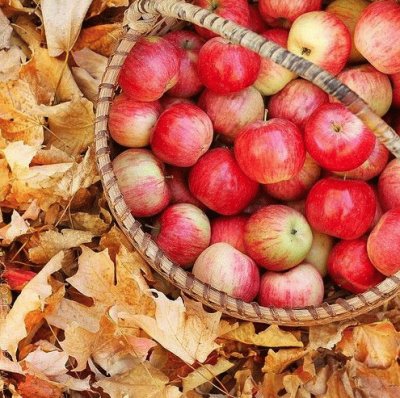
147, 17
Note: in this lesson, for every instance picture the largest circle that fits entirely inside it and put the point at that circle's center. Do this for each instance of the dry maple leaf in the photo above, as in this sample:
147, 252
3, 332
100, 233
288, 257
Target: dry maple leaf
62, 22
376, 345
184, 329
273, 336
33, 297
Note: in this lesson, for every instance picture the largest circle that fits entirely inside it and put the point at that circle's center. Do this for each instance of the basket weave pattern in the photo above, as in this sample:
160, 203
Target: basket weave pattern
150, 17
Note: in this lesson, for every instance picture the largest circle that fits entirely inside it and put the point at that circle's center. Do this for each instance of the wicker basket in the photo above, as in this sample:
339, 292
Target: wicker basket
149, 17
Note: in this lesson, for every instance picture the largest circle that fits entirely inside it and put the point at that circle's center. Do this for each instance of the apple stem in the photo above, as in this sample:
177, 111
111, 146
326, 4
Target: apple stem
265, 115
151, 227
169, 177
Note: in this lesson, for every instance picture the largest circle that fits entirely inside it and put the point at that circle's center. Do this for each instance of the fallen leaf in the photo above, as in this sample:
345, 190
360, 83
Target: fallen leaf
327, 336
112, 240
36, 387
317, 385
293, 387
11, 61
144, 381
4, 179
86, 83
98, 6
62, 23
50, 364
17, 227
100, 38
32, 298
205, 374
339, 386
5, 31
17, 278
245, 384
52, 242
271, 386
376, 345
7, 365
273, 336
19, 156
51, 155
95, 64
277, 362
187, 331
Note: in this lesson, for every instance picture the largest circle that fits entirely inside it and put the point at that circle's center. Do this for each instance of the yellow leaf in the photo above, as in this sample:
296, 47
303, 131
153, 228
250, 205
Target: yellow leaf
277, 362
113, 240
376, 345
95, 64
86, 83
188, 331
272, 384
144, 381
52, 242
11, 61
32, 298
4, 179
273, 336
204, 374
17, 227
62, 23
339, 386
19, 156
51, 155
98, 6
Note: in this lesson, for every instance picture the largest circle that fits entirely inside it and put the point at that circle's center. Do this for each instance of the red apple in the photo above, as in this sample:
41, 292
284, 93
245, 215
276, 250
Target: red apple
177, 182
341, 208
350, 268
298, 205
256, 22
188, 44
287, 9
296, 102
384, 242
228, 270
182, 232
150, 69
389, 185
349, 12
229, 230
131, 122
226, 68
372, 167
395, 78
277, 237
378, 211
187, 125
299, 287
270, 152
168, 101
218, 182
273, 77
318, 255
234, 10
337, 139
377, 35
296, 187
371, 85
141, 180
230, 113
322, 38
261, 200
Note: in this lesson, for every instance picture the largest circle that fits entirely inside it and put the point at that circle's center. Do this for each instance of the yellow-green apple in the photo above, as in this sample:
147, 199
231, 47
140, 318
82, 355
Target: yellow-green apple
318, 255
273, 77
287, 9
234, 10
141, 180
389, 185
229, 230
167, 101
337, 139
270, 151
322, 38
182, 232
371, 85
395, 78
150, 69
384, 242
225, 67
377, 35
177, 180
277, 237
256, 22
350, 268
187, 125
231, 112
188, 44
218, 182
296, 187
296, 101
299, 287
131, 122
344, 209
349, 12
228, 270
372, 167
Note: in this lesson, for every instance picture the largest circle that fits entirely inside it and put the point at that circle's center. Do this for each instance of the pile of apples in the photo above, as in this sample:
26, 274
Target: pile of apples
265, 209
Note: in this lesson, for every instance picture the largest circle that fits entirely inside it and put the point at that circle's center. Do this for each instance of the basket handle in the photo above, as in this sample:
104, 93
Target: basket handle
146, 12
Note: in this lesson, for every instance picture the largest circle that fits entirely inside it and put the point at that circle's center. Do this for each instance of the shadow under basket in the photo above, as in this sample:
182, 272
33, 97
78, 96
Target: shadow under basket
157, 17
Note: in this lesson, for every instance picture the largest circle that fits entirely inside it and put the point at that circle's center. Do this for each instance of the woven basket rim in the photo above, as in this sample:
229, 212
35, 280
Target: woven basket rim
342, 309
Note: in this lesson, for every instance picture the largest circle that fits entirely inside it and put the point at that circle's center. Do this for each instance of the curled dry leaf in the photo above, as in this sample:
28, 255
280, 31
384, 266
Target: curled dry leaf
113, 240
339, 386
32, 298
277, 362
273, 336
62, 23
98, 6
376, 345
51, 155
